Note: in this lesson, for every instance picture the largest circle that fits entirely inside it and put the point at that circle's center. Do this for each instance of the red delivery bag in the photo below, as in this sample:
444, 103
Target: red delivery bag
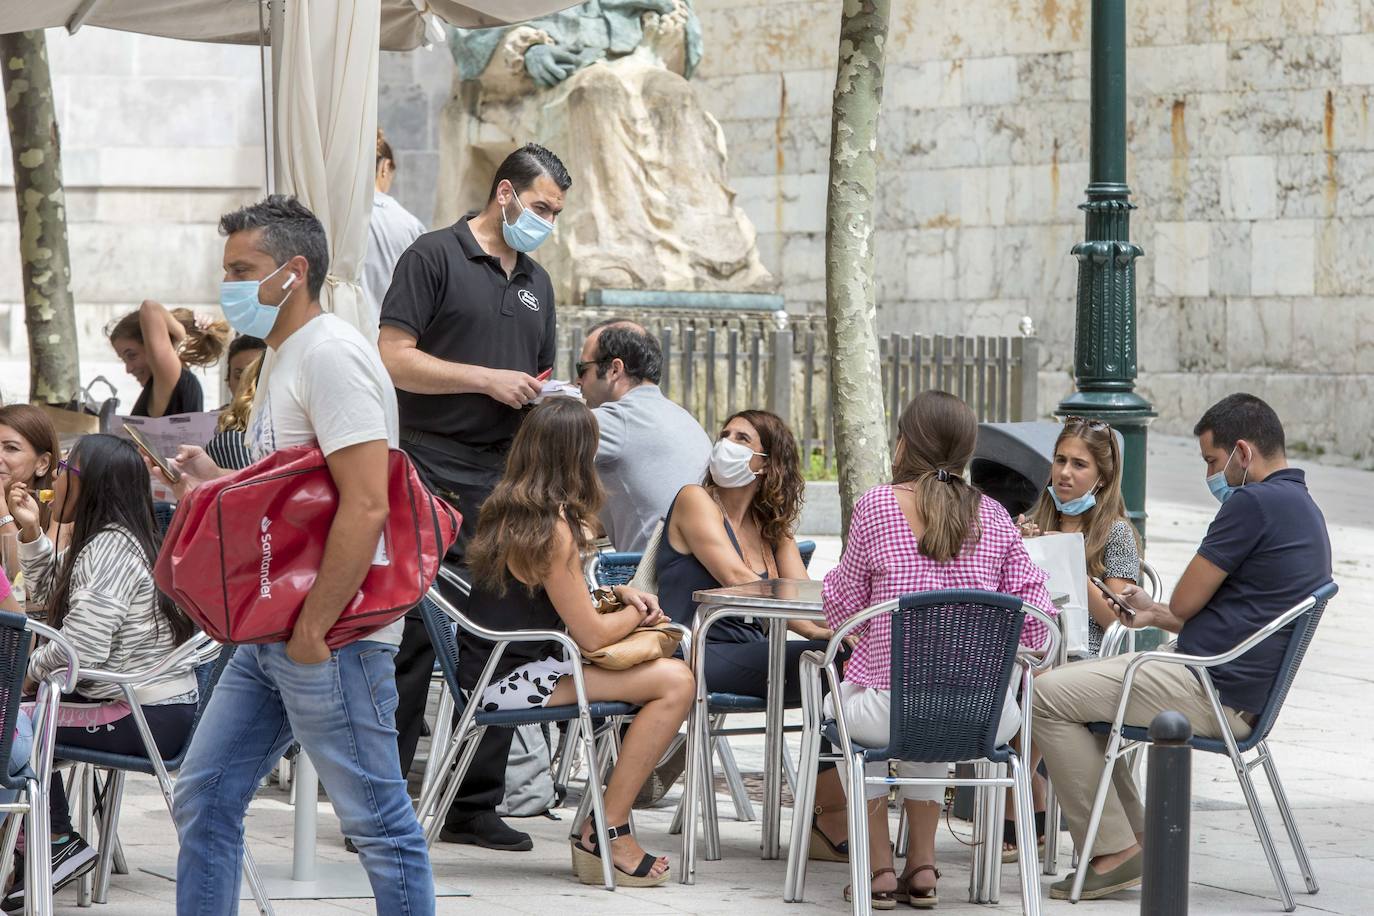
242, 552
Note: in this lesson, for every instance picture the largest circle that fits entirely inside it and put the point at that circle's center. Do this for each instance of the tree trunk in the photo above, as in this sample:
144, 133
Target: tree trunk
861, 445
54, 372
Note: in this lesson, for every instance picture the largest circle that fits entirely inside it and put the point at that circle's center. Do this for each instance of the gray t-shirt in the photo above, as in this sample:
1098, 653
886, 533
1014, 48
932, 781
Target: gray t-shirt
650, 448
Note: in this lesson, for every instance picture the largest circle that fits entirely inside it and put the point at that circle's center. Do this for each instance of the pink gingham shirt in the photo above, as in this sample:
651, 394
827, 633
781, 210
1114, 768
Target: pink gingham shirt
881, 562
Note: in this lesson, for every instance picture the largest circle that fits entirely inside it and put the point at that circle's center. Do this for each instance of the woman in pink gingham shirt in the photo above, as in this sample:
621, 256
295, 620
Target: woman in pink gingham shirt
928, 530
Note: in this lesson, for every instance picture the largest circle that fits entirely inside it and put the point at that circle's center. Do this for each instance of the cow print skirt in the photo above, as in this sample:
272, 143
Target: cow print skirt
527, 687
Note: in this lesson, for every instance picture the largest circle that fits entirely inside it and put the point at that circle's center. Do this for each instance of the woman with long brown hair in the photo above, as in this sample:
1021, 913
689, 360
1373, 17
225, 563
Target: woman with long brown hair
1084, 496
526, 561
737, 527
158, 347
29, 451
930, 529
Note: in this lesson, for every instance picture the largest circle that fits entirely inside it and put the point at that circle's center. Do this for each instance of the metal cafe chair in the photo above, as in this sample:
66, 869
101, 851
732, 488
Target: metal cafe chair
16, 633
618, 568
473, 723
1302, 619
953, 654
210, 660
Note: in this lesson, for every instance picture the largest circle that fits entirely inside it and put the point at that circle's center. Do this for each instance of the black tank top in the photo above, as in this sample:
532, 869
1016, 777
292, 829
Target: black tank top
681, 574
187, 397
517, 609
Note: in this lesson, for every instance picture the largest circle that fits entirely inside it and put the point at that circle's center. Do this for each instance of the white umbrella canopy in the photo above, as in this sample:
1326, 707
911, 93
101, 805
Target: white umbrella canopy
326, 94
236, 21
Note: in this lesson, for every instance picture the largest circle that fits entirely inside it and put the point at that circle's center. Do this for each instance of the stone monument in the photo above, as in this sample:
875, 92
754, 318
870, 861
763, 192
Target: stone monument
605, 86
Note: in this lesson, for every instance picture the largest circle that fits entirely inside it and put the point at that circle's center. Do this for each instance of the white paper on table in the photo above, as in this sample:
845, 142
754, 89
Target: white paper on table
168, 434
555, 388
1064, 558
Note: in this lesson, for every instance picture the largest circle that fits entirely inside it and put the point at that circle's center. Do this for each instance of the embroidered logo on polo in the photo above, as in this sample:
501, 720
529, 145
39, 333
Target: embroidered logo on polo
529, 299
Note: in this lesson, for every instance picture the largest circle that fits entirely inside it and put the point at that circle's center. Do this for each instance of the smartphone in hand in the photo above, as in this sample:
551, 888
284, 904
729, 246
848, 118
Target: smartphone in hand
153, 454
1115, 600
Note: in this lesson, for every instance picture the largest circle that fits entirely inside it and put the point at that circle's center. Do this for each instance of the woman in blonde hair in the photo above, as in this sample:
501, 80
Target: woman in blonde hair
228, 449
392, 230
158, 347
929, 529
1084, 496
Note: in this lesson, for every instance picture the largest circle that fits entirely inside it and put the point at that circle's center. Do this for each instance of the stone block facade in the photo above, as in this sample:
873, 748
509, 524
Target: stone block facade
1251, 161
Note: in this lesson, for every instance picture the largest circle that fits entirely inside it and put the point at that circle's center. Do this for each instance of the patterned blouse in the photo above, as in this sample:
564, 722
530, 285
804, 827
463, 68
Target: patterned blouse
1121, 560
881, 562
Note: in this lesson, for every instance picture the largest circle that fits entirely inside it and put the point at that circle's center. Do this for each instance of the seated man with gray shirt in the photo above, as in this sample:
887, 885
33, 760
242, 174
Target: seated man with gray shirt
650, 447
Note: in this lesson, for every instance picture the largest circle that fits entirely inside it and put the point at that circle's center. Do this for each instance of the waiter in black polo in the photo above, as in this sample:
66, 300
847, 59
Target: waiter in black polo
467, 326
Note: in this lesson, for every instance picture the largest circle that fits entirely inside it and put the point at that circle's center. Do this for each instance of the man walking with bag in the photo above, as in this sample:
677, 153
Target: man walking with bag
466, 328
326, 386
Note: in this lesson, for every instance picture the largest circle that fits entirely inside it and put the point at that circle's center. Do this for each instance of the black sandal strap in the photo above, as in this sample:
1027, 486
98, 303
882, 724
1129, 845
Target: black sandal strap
616, 832
646, 865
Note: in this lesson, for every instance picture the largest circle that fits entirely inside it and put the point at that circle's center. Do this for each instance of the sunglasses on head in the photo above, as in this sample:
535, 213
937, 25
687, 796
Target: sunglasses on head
1084, 421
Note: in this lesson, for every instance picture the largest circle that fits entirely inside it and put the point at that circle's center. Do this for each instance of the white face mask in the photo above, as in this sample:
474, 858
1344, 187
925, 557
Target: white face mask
730, 464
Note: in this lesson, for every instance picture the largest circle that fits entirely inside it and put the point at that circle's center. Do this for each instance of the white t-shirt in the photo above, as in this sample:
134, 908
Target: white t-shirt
391, 231
326, 384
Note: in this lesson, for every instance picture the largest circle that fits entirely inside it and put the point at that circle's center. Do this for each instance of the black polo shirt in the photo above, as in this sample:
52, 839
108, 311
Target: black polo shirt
461, 307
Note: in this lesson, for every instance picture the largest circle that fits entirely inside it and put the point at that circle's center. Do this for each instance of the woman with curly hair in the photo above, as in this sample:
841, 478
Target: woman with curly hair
526, 562
734, 528
158, 347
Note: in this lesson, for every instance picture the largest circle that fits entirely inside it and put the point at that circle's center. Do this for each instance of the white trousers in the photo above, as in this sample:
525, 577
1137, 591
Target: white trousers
868, 713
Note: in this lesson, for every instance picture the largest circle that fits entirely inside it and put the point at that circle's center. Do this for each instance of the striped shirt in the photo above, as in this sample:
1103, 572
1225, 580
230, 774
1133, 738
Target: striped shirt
112, 615
229, 450
881, 562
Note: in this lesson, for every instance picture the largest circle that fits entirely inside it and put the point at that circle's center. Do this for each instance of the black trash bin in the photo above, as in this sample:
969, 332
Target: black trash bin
1011, 462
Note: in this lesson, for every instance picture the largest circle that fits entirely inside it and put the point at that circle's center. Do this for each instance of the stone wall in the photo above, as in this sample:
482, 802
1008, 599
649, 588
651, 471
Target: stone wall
1251, 154
159, 138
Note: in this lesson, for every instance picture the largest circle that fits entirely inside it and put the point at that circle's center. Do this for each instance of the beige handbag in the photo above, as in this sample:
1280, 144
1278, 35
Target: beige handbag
643, 644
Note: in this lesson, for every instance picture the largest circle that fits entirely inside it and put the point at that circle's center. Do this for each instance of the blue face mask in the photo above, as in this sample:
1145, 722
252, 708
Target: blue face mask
1074, 506
242, 308
1217, 482
528, 231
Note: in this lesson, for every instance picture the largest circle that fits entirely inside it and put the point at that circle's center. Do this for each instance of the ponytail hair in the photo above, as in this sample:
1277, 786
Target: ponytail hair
936, 435
201, 346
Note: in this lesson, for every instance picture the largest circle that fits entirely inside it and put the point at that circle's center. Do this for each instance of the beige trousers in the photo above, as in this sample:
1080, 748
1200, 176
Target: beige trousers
1069, 697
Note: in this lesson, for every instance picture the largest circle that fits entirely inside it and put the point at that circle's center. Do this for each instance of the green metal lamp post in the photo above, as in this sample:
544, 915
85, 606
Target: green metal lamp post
1105, 334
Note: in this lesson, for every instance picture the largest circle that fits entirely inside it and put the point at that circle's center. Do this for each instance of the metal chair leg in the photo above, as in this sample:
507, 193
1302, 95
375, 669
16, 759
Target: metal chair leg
86, 883
1023, 803
1050, 866
861, 888
568, 753
11, 839
992, 847
804, 800
455, 781
119, 864
38, 867
438, 738
710, 817
1271, 853
903, 832
1271, 773
109, 835
744, 809
1104, 785
250, 874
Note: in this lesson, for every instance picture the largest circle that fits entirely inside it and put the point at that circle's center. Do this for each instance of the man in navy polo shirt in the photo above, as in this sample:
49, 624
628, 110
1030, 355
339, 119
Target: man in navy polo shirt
1265, 552
467, 326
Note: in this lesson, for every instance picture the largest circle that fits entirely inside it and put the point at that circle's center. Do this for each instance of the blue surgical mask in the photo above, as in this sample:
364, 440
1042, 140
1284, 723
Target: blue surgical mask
1217, 482
528, 231
244, 311
1073, 506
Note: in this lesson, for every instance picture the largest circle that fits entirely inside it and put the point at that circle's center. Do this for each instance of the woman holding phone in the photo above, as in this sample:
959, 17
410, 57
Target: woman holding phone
1083, 496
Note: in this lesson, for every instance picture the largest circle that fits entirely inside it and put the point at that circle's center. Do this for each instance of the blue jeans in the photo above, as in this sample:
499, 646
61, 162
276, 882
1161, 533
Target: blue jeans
342, 711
